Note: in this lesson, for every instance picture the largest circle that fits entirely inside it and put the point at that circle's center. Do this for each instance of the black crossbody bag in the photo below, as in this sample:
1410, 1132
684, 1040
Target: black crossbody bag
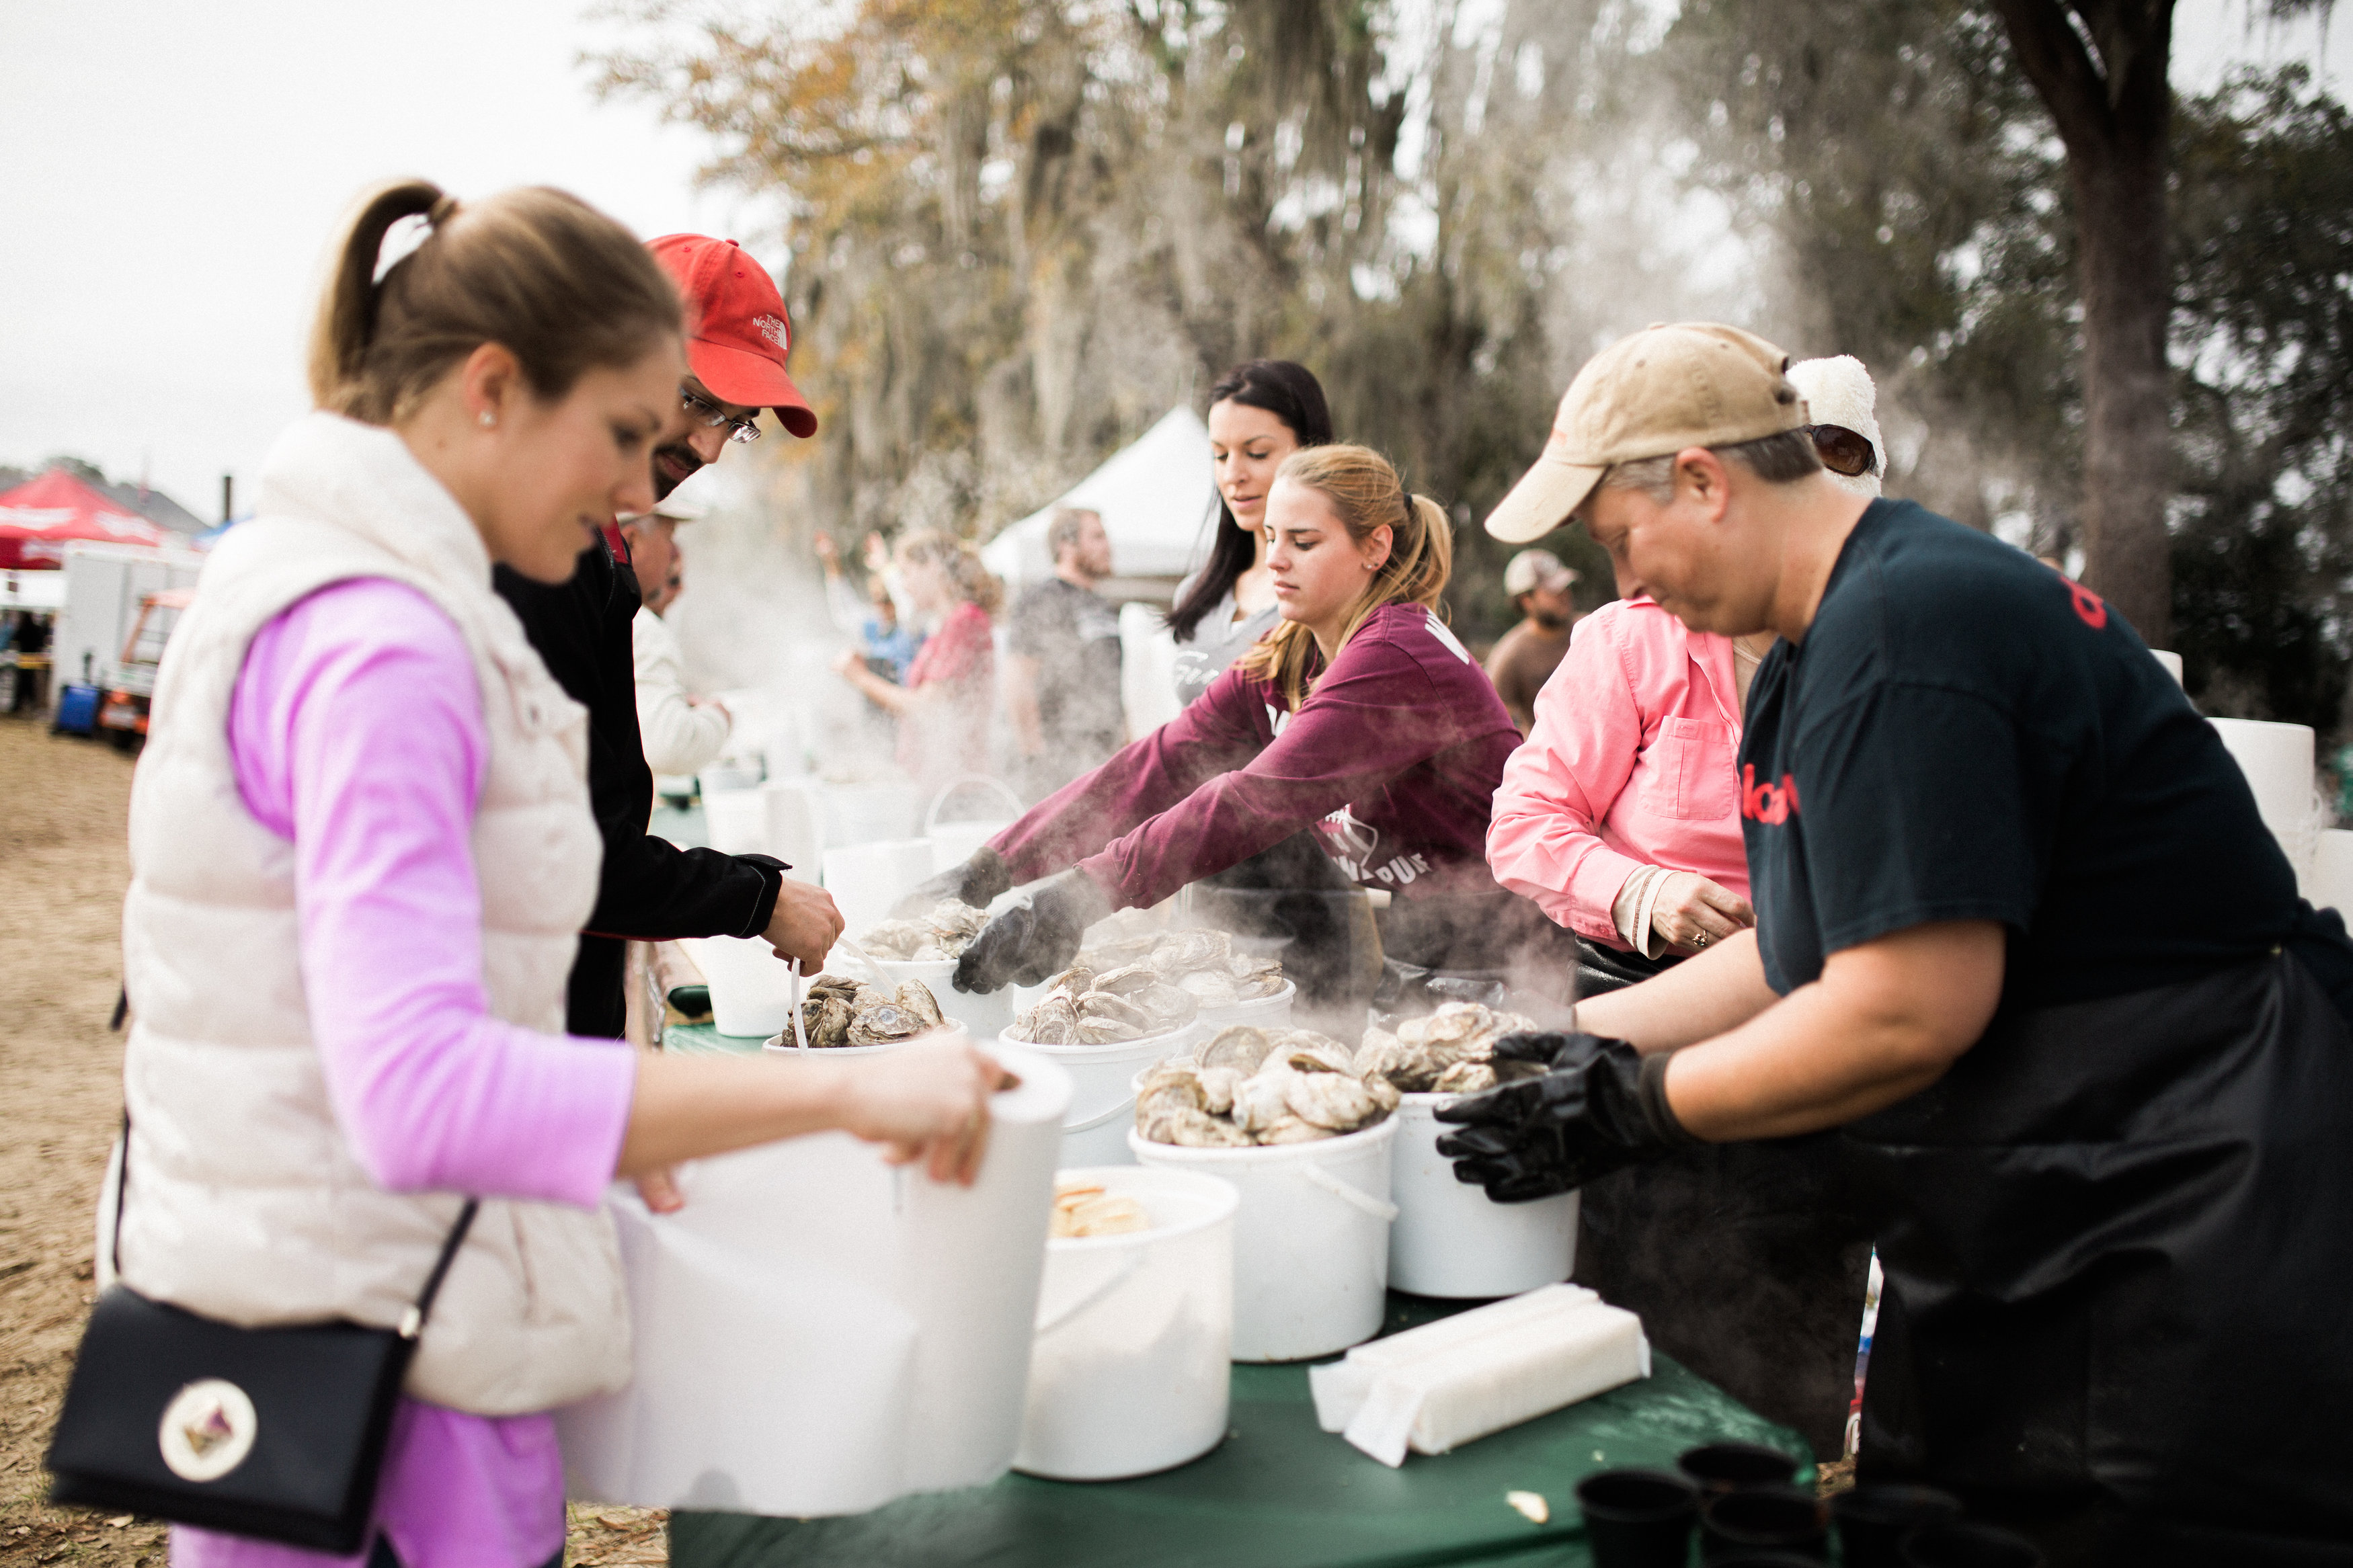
273, 1432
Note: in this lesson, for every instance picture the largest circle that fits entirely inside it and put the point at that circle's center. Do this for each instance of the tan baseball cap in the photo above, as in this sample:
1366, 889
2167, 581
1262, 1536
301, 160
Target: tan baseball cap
1647, 394
1533, 569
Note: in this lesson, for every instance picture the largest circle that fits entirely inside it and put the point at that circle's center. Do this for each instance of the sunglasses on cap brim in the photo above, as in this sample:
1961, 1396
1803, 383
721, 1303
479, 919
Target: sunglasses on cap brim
1841, 450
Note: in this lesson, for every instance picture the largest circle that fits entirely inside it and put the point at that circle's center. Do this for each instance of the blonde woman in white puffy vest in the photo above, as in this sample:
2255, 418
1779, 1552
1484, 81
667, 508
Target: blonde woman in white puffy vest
361, 851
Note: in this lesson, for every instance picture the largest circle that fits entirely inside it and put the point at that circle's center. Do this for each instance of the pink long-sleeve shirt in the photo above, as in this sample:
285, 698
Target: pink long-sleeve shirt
1631, 763
357, 732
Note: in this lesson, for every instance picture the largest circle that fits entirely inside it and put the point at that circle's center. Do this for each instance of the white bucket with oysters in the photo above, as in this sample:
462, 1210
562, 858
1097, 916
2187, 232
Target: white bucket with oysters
1449, 1238
1128, 1372
1284, 1116
856, 1018
926, 948
1102, 1027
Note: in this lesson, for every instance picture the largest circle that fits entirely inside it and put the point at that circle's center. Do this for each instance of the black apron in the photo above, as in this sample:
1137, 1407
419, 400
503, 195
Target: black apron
2119, 1274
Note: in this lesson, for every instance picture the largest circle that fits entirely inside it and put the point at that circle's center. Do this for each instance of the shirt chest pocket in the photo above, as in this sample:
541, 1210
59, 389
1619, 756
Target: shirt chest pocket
1686, 772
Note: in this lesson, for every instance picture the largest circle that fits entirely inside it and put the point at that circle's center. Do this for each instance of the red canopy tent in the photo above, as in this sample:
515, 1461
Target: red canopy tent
40, 517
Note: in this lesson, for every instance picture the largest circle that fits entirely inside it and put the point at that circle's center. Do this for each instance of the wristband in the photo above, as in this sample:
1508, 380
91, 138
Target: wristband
1660, 1115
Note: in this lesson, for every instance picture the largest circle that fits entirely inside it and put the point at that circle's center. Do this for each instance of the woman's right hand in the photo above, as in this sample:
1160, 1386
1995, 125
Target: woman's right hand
1694, 914
929, 1101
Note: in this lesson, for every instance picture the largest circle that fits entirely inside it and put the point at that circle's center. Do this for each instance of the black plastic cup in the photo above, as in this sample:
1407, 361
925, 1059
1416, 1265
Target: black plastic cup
1874, 1520
1764, 1519
1730, 1466
1638, 1519
1969, 1546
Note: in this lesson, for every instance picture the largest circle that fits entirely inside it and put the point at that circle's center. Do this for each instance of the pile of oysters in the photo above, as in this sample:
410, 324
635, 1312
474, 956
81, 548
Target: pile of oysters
839, 1012
1202, 963
1260, 1086
1450, 1051
1084, 1007
946, 932
1252, 1086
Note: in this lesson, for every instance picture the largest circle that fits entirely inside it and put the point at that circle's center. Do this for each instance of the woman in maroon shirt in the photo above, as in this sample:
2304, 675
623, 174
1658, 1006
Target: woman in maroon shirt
1360, 715
942, 711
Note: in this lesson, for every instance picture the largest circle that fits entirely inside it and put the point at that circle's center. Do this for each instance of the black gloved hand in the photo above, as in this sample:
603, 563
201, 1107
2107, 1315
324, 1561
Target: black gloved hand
975, 882
1030, 942
1600, 1108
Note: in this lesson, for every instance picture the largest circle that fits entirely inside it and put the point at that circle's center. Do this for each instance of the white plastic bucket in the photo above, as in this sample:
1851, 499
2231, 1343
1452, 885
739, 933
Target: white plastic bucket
1102, 1090
1311, 1238
2332, 874
1128, 1371
735, 821
818, 1331
984, 1016
871, 813
866, 880
952, 843
1260, 1012
729, 778
1449, 1238
751, 987
792, 814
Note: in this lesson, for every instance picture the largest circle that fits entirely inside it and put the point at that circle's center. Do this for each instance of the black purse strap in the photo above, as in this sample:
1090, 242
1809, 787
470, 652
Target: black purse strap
412, 1322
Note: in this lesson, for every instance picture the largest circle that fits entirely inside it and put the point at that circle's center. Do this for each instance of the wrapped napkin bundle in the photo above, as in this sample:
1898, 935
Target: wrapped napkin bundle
1449, 1382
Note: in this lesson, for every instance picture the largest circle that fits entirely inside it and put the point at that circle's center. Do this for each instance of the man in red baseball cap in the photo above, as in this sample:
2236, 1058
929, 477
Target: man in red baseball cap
650, 889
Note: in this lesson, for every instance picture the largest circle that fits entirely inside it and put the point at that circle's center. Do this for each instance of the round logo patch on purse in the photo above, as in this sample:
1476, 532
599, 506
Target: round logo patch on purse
208, 1430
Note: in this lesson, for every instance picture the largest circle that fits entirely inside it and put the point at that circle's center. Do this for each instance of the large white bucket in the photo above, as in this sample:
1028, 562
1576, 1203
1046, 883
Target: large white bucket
751, 987
819, 1332
1128, 1374
1260, 1012
952, 843
2332, 872
735, 821
792, 814
1102, 1090
1449, 1238
1311, 1238
2278, 762
866, 880
872, 813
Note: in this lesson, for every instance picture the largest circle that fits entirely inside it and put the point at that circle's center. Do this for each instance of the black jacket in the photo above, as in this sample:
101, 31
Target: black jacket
651, 889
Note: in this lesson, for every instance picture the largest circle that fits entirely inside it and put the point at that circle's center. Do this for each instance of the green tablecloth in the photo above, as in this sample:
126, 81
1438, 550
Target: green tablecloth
704, 1040
1277, 1493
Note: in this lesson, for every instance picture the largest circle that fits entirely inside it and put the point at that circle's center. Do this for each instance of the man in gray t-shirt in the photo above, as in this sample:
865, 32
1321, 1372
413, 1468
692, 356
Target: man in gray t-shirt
1063, 673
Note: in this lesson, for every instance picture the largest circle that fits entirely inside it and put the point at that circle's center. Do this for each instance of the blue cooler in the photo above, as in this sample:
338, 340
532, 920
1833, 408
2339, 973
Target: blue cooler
77, 711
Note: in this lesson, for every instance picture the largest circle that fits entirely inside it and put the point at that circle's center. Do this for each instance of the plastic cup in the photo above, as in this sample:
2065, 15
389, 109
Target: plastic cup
1960, 1545
1638, 1519
1771, 1519
1874, 1520
1732, 1467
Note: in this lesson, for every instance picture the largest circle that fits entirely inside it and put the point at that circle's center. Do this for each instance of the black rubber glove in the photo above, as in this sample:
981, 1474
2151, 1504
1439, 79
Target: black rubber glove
1600, 1108
1030, 942
975, 882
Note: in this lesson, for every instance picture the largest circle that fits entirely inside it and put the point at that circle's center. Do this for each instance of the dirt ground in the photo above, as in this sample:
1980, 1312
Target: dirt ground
62, 874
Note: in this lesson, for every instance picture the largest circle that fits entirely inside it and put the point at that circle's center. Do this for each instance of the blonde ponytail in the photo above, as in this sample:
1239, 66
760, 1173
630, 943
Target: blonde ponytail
1365, 493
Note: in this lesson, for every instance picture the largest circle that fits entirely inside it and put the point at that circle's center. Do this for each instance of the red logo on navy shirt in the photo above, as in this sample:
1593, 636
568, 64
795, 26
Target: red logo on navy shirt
2088, 606
1767, 803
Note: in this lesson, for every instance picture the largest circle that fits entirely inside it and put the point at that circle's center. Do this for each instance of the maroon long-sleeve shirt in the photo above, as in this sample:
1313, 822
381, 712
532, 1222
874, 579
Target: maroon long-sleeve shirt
1394, 759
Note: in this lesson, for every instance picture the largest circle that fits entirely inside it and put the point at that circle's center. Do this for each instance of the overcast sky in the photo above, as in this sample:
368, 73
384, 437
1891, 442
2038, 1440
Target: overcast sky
172, 173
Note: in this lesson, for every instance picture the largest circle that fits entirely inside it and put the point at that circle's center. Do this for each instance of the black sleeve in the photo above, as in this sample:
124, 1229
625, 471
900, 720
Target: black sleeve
1920, 804
649, 888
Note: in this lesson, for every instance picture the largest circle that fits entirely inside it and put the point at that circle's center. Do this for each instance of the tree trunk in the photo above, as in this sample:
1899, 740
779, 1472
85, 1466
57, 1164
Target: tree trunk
2114, 113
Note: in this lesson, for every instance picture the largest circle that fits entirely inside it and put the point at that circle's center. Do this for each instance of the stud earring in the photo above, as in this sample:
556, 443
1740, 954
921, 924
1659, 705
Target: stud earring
488, 418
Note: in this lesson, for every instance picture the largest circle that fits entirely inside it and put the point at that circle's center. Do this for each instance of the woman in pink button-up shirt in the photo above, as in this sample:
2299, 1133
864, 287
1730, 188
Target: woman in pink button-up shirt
1621, 816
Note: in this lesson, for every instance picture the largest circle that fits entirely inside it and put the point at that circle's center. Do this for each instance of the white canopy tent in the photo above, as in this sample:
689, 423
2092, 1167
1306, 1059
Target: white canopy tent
1154, 496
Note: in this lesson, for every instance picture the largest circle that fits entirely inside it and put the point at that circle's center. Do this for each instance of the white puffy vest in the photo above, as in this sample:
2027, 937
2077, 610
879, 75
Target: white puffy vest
246, 1202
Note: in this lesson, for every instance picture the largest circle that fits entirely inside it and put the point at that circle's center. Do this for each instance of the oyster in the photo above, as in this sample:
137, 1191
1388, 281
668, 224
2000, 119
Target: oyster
1303, 1050
1255, 977
840, 1012
1466, 1078
1211, 987
1331, 1099
1079, 1010
1084, 1209
943, 933
1194, 1129
1452, 1051
1218, 1086
1294, 1130
1181, 952
1236, 1045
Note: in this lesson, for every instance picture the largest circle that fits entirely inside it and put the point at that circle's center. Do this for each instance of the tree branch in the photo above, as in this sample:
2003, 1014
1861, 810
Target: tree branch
2052, 55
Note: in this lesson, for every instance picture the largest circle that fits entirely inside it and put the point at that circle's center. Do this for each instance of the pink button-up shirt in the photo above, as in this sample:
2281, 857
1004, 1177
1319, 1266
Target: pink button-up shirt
1631, 763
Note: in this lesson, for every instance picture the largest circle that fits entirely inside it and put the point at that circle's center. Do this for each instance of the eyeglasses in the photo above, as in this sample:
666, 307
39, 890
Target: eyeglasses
1841, 450
712, 417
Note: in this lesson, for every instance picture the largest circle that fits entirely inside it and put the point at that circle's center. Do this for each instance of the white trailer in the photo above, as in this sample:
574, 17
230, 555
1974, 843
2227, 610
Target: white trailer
104, 586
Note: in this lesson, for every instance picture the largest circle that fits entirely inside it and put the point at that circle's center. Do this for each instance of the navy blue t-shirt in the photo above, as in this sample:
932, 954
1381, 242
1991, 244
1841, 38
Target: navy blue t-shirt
1966, 734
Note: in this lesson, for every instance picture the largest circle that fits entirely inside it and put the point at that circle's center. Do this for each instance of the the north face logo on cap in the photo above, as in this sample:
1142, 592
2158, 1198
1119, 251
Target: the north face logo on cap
774, 329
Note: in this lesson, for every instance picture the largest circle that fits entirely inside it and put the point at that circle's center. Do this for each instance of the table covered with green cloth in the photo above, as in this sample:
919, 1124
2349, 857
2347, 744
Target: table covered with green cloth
1279, 1492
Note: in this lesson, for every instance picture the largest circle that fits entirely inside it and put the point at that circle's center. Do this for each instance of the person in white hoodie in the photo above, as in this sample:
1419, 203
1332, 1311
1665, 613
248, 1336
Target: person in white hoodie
682, 733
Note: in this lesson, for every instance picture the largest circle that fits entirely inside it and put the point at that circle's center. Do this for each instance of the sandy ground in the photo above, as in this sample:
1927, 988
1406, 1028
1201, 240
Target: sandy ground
62, 873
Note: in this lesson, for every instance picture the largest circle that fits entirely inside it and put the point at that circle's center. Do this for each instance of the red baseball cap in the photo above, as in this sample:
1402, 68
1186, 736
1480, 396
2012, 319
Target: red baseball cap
736, 330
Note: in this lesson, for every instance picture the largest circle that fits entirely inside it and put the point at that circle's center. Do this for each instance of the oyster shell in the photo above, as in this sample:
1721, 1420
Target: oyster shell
916, 997
1052, 1022
840, 1012
1180, 952
1466, 1078
1106, 1032
1210, 988
1262, 1100
1217, 1086
1173, 1086
1452, 1051
944, 933
1103, 1005
1238, 1046
1307, 1051
1194, 1129
1165, 1007
1126, 980
1294, 1130
1077, 1009
1254, 977
1332, 1099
